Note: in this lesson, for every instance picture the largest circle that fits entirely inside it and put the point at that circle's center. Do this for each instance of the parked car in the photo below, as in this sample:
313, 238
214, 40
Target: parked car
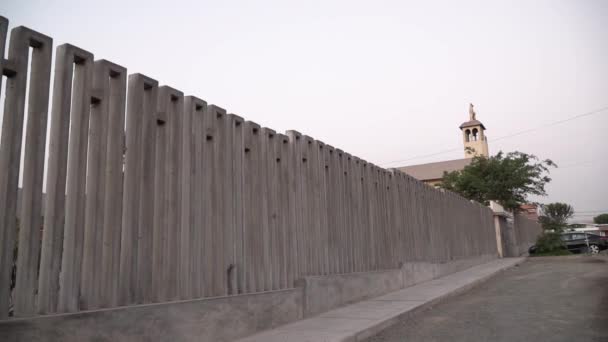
578, 242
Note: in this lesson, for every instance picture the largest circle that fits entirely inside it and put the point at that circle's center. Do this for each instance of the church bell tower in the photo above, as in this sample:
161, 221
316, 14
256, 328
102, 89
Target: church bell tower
473, 136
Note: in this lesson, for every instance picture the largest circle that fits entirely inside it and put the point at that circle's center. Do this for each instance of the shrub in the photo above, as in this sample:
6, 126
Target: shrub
550, 242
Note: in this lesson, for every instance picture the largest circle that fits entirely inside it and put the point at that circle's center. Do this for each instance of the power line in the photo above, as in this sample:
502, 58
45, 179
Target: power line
506, 136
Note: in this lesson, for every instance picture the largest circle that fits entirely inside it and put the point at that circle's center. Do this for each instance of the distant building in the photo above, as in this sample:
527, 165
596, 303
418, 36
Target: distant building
598, 229
475, 143
530, 211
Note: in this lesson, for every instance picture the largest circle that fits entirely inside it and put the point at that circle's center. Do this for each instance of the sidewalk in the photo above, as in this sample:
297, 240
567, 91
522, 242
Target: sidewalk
361, 320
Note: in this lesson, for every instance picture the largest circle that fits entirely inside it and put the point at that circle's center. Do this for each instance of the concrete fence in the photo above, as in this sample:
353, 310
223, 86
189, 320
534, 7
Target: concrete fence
526, 232
151, 196
515, 233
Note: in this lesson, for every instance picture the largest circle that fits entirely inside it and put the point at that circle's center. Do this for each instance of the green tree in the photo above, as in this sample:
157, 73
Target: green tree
601, 219
554, 219
554, 216
505, 178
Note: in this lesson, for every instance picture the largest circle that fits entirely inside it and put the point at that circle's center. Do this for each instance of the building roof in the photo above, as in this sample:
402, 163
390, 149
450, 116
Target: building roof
472, 123
431, 171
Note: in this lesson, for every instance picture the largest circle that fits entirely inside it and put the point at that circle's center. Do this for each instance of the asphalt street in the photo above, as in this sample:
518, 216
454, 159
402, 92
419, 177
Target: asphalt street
543, 299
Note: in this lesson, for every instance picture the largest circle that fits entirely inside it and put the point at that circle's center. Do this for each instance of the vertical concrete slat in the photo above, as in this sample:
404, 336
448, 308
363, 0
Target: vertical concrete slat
94, 188
172, 229
305, 193
71, 259
281, 148
207, 162
346, 243
363, 209
113, 194
131, 200
376, 219
321, 209
357, 212
248, 172
279, 258
341, 212
160, 197
349, 218
334, 170
107, 77
186, 133
270, 231
397, 218
199, 195
291, 228
296, 193
233, 202
265, 238
237, 272
144, 92
332, 202
253, 208
381, 231
30, 215
8, 188
227, 193
54, 208
220, 200
364, 215
312, 200
302, 202
315, 197
400, 206
311, 231
193, 108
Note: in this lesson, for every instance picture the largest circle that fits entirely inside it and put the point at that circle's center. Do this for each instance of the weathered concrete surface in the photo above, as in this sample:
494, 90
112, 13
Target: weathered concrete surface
367, 318
323, 293
545, 299
417, 272
215, 319
328, 292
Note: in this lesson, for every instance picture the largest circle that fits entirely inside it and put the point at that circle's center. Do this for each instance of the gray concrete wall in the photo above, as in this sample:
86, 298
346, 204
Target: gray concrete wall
153, 196
517, 233
323, 293
526, 233
213, 319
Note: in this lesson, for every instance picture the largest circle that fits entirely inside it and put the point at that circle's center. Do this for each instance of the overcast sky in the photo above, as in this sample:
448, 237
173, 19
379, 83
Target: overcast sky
384, 80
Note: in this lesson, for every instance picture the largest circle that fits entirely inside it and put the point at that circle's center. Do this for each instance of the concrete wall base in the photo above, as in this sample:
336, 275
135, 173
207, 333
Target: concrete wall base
214, 319
418, 272
323, 293
227, 318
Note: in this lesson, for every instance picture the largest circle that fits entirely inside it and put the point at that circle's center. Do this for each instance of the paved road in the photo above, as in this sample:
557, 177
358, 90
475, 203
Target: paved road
544, 299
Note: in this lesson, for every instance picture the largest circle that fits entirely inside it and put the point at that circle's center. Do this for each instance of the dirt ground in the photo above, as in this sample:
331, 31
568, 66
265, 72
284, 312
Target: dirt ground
543, 299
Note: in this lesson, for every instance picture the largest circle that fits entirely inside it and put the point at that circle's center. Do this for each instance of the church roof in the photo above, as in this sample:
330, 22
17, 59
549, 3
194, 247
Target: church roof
472, 123
433, 171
